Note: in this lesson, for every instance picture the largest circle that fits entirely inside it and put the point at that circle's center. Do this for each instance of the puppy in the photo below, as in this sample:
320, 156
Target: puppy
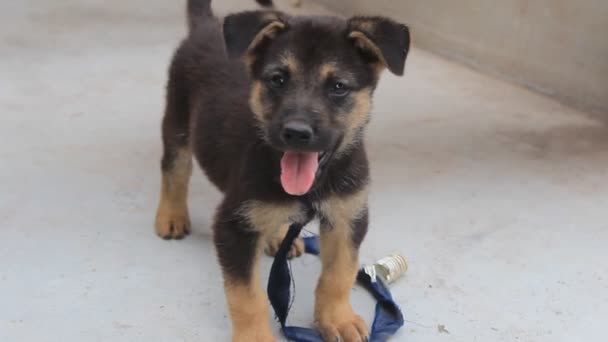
274, 108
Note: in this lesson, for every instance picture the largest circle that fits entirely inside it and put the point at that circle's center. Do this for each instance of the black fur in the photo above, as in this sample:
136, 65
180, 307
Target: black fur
265, 3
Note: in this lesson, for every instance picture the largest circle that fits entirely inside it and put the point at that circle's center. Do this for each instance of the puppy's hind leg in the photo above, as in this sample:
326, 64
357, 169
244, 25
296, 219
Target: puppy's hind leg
172, 218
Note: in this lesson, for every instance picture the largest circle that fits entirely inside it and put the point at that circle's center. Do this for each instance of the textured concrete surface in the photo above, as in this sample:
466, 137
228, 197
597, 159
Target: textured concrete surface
549, 45
497, 196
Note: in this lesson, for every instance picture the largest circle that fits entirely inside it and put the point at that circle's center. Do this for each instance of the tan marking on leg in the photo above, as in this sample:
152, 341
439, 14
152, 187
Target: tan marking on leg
248, 307
274, 241
333, 311
342, 210
172, 218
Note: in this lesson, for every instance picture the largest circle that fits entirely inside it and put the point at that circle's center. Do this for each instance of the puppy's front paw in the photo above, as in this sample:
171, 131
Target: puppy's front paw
341, 324
171, 222
274, 243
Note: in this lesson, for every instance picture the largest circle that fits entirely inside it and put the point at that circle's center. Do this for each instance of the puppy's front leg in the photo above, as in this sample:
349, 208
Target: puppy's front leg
238, 249
342, 229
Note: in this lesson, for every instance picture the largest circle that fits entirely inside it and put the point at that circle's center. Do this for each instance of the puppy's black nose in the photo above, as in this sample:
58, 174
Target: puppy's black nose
296, 133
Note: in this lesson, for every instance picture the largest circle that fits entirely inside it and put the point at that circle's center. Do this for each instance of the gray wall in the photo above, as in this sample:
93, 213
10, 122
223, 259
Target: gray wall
558, 47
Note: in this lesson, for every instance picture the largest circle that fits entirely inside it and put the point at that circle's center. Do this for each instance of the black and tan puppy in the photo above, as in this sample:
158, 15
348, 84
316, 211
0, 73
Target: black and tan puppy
274, 107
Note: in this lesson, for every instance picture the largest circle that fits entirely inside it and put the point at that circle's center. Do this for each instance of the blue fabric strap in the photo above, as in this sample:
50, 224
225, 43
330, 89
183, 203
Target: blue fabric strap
388, 317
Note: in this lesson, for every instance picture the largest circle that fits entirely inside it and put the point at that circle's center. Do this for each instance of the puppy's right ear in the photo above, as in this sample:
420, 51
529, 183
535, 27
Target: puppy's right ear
388, 42
247, 32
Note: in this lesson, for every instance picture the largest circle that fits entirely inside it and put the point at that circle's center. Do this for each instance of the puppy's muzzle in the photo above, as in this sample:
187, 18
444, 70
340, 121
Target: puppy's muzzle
297, 134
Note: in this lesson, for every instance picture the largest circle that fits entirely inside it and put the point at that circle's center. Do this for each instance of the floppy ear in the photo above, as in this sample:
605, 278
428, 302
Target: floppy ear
245, 32
381, 40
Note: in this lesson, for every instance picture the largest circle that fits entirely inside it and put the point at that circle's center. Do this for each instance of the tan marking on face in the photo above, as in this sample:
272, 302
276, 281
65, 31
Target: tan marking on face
292, 64
172, 218
247, 304
357, 117
269, 31
326, 70
268, 217
339, 258
255, 100
363, 42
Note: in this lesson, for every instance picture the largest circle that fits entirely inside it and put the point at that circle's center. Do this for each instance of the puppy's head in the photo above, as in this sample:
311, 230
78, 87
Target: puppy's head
312, 79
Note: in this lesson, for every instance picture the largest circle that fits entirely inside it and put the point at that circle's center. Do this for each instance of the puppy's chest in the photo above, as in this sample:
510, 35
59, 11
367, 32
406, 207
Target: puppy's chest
334, 210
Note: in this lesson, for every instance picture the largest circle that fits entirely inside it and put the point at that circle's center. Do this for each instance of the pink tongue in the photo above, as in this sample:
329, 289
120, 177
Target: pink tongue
298, 171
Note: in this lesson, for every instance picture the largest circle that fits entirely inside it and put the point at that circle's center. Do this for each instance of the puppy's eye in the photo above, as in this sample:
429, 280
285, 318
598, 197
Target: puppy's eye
277, 81
339, 89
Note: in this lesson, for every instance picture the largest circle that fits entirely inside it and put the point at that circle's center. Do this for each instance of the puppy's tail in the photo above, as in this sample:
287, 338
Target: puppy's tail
198, 10
265, 3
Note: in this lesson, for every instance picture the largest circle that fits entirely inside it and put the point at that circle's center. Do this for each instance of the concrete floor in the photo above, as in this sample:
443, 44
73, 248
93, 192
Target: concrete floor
497, 196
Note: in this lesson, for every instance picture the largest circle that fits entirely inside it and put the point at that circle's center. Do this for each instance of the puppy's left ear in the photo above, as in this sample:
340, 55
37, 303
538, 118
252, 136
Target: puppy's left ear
381, 40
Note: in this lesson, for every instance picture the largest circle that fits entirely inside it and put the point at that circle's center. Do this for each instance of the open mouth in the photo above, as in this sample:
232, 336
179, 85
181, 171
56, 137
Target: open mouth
299, 170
